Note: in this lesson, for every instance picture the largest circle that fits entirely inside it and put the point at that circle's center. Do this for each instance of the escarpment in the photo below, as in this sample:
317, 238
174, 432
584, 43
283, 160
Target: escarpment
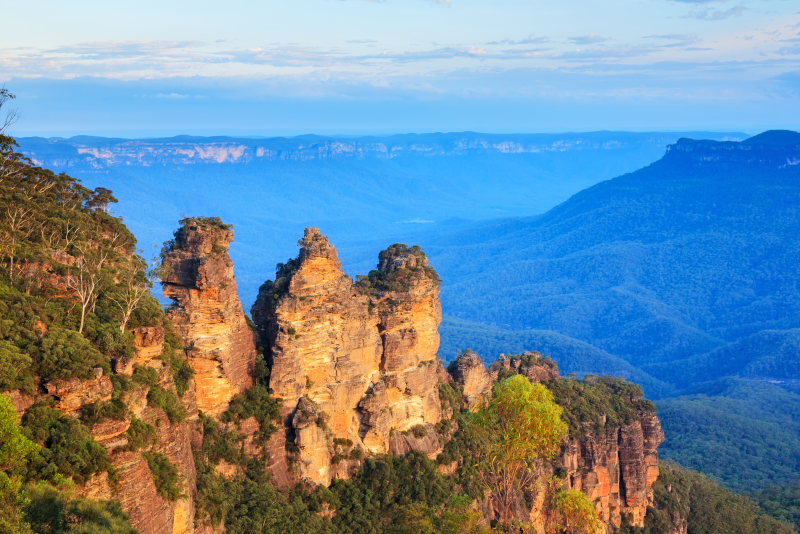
207, 314
612, 457
351, 363
349, 372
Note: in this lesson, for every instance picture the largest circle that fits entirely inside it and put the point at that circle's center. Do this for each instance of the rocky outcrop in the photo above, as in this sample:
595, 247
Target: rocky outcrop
70, 395
149, 513
207, 314
470, 373
615, 467
362, 357
532, 365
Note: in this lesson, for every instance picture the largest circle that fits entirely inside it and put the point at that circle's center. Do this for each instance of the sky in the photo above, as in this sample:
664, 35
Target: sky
270, 67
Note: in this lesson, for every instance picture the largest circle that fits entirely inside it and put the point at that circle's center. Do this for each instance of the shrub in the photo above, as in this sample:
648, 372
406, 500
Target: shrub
139, 434
50, 511
167, 401
255, 402
63, 354
68, 449
419, 431
165, 476
15, 368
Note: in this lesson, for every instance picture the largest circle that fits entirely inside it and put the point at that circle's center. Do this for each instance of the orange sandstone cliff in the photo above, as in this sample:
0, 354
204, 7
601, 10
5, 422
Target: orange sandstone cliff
615, 467
207, 314
351, 363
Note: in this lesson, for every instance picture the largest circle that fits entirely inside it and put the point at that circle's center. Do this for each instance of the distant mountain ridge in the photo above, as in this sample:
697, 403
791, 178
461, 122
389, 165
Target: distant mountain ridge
182, 150
359, 197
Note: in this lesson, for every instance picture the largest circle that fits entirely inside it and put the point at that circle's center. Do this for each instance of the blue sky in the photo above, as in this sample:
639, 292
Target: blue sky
276, 67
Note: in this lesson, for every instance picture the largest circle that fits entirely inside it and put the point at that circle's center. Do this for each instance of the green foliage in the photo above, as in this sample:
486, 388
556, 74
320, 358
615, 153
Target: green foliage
182, 373
12, 504
419, 431
744, 433
15, 368
15, 448
94, 412
401, 279
255, 402
707, 507
586, 401
52, 512
374, 500
158, 397
68, 450
165, 475
206, 222
248, 503
139, 434
572, 512
781, 503
63, 354
221, 444
520, 427
271, 292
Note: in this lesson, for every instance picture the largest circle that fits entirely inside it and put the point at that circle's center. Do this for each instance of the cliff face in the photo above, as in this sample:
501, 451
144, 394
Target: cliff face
207, 314
616, 468
350, 363
149, 513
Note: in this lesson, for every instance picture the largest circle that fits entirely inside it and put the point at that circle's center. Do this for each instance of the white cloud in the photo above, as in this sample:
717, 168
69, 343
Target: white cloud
588, 39
715, 14
528, 40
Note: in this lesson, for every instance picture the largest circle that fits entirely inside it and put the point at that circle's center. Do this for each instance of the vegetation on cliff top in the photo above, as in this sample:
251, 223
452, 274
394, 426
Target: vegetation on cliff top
72, 288
394, 272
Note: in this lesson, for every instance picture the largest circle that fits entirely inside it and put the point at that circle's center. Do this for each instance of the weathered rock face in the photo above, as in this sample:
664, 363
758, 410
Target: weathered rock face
70, 395
476, 382
361, 358
136, 491
616, 469
532, 365
207, 314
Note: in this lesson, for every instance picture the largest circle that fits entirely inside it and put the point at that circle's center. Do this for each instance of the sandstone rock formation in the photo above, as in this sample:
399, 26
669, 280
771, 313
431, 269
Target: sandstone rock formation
361, 358
470, 373
616, 468
207, 314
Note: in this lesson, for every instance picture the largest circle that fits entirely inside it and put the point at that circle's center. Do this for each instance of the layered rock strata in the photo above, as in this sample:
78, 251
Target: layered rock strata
360, 358
207, 314
470, 373
616, 468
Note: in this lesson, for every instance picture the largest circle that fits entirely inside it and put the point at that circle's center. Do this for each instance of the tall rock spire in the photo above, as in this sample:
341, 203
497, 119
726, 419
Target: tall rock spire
352, 363
206, 312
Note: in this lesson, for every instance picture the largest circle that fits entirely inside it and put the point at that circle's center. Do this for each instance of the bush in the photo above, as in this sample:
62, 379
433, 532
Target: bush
165, 476
255, 402
419, 431
63, 354
159, 397
50, 511
587, 400
139, 434
15, 369
68, 449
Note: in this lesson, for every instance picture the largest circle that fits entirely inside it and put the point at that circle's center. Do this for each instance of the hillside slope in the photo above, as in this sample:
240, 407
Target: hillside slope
696, 251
